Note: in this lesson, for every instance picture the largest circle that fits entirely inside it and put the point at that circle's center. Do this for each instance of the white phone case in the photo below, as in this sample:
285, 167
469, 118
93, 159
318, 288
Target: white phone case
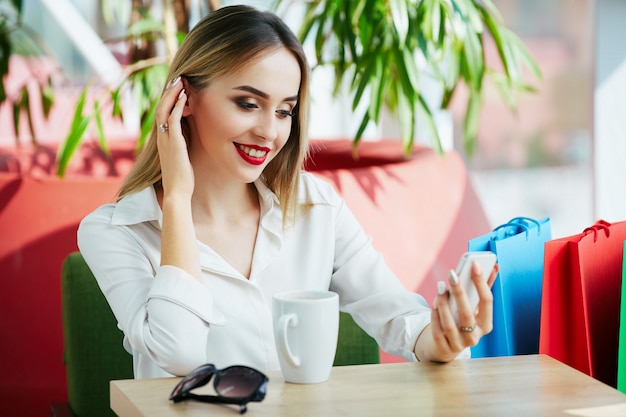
486, 260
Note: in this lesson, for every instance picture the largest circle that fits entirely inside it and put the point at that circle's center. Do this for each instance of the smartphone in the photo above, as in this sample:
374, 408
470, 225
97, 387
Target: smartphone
487, 261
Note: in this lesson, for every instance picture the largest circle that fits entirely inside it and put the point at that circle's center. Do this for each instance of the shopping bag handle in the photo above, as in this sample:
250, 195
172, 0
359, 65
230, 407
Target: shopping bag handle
517, 222
599, 225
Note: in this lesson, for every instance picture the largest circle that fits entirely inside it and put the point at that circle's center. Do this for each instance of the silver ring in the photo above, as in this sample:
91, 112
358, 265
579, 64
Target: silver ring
163, 127
468, 329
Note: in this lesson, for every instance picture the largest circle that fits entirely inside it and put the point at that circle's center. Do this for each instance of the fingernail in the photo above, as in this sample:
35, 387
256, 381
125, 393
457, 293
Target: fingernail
441, 287
454, 278
181, 94
175, 81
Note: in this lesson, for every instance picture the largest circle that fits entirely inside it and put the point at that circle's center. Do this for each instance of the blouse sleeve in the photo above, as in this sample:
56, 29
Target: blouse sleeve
164, 312
371, 292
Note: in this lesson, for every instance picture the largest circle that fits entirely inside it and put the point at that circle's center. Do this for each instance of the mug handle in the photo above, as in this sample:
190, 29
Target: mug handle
285, 321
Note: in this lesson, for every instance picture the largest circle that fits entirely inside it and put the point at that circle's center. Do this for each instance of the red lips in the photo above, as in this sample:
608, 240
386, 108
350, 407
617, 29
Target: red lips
254, 155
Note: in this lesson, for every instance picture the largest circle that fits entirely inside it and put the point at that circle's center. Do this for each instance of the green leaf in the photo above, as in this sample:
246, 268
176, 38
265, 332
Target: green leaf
5, 55
117, 103
362, 126
400, 18
340, 60
321, 37
524, 55
16, 119
116, 11
364, 77
470, 125
146, 26
494, 29
308, 21
513, 71
97, 113
406, 116
25, 106
3, 93
492, 10
377, 85
426, 27
146, 126
137, 91
155, 78
47, 97
504, 89
431, 125
474, 17
18, 6
473, 68
404, 86
72, 142
451, 79
407, 62
434, 27
362, 9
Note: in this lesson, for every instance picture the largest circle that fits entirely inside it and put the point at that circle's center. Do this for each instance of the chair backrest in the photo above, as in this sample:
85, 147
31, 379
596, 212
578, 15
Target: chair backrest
354, 346
94, 354
93, 350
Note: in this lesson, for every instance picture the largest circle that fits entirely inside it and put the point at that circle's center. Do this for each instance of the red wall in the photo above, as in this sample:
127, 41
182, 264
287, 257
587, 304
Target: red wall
39, 215
38, 220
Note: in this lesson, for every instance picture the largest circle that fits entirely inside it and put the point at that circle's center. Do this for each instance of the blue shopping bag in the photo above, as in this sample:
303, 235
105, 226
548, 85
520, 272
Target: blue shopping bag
519, 247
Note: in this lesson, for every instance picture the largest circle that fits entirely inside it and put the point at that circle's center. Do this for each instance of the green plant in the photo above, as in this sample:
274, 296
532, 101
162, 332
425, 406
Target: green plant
16, 39
373, 46
143, 78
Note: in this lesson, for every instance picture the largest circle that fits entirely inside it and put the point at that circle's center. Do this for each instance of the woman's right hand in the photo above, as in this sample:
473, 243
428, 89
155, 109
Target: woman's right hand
178, 237
176, 170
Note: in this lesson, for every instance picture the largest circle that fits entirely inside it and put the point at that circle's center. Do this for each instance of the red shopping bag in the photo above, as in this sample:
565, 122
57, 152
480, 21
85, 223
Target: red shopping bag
621, 354
580, 304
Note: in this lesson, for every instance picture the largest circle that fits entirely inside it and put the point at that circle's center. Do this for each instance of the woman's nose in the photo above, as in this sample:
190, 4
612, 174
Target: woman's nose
266, 127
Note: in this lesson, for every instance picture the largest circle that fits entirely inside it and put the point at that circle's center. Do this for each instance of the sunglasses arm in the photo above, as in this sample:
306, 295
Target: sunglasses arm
217, 400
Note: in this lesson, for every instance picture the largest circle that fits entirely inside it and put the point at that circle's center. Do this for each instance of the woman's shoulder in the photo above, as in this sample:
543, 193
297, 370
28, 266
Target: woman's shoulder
134, 208
101, 214
316, 190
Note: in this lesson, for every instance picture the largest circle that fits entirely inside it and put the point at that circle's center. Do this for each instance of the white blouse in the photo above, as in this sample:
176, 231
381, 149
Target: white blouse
173, 323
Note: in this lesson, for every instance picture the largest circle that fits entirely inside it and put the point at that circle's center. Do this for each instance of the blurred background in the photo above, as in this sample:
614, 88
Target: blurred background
537, 162
560, 155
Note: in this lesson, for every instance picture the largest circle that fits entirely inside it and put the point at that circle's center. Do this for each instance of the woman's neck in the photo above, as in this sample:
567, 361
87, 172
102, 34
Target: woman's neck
224, 202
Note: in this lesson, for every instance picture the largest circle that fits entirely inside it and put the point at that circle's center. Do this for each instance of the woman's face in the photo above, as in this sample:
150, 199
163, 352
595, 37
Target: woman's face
240, 121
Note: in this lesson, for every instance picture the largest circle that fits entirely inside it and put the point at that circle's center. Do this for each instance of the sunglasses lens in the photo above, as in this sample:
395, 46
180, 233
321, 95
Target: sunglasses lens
198, 377
239, 382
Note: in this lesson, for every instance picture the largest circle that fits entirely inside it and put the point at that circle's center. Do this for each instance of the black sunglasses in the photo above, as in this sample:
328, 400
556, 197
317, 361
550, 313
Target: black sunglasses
234, 385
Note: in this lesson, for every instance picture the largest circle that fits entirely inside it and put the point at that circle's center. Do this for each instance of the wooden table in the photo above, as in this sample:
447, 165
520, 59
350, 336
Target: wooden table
524, 386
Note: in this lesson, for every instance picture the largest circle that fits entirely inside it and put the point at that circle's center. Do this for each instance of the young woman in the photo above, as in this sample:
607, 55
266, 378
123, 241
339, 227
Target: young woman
217, 216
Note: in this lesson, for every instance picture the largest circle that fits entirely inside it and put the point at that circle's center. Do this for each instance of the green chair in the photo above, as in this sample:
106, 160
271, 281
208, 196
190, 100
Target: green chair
94, 354
93, 351
354, 346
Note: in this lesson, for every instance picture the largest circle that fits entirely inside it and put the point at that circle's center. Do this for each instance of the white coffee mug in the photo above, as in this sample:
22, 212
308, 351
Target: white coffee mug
306, 325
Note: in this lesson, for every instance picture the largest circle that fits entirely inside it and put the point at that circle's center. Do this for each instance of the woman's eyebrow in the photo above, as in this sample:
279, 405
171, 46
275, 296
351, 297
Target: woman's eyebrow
261, 94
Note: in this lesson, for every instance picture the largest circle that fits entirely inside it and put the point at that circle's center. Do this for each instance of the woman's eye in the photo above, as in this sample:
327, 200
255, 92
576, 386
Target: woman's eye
284, 113
247, 105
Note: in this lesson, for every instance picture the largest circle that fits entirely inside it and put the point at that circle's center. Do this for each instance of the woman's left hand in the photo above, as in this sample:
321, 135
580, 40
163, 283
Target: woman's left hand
447, 339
